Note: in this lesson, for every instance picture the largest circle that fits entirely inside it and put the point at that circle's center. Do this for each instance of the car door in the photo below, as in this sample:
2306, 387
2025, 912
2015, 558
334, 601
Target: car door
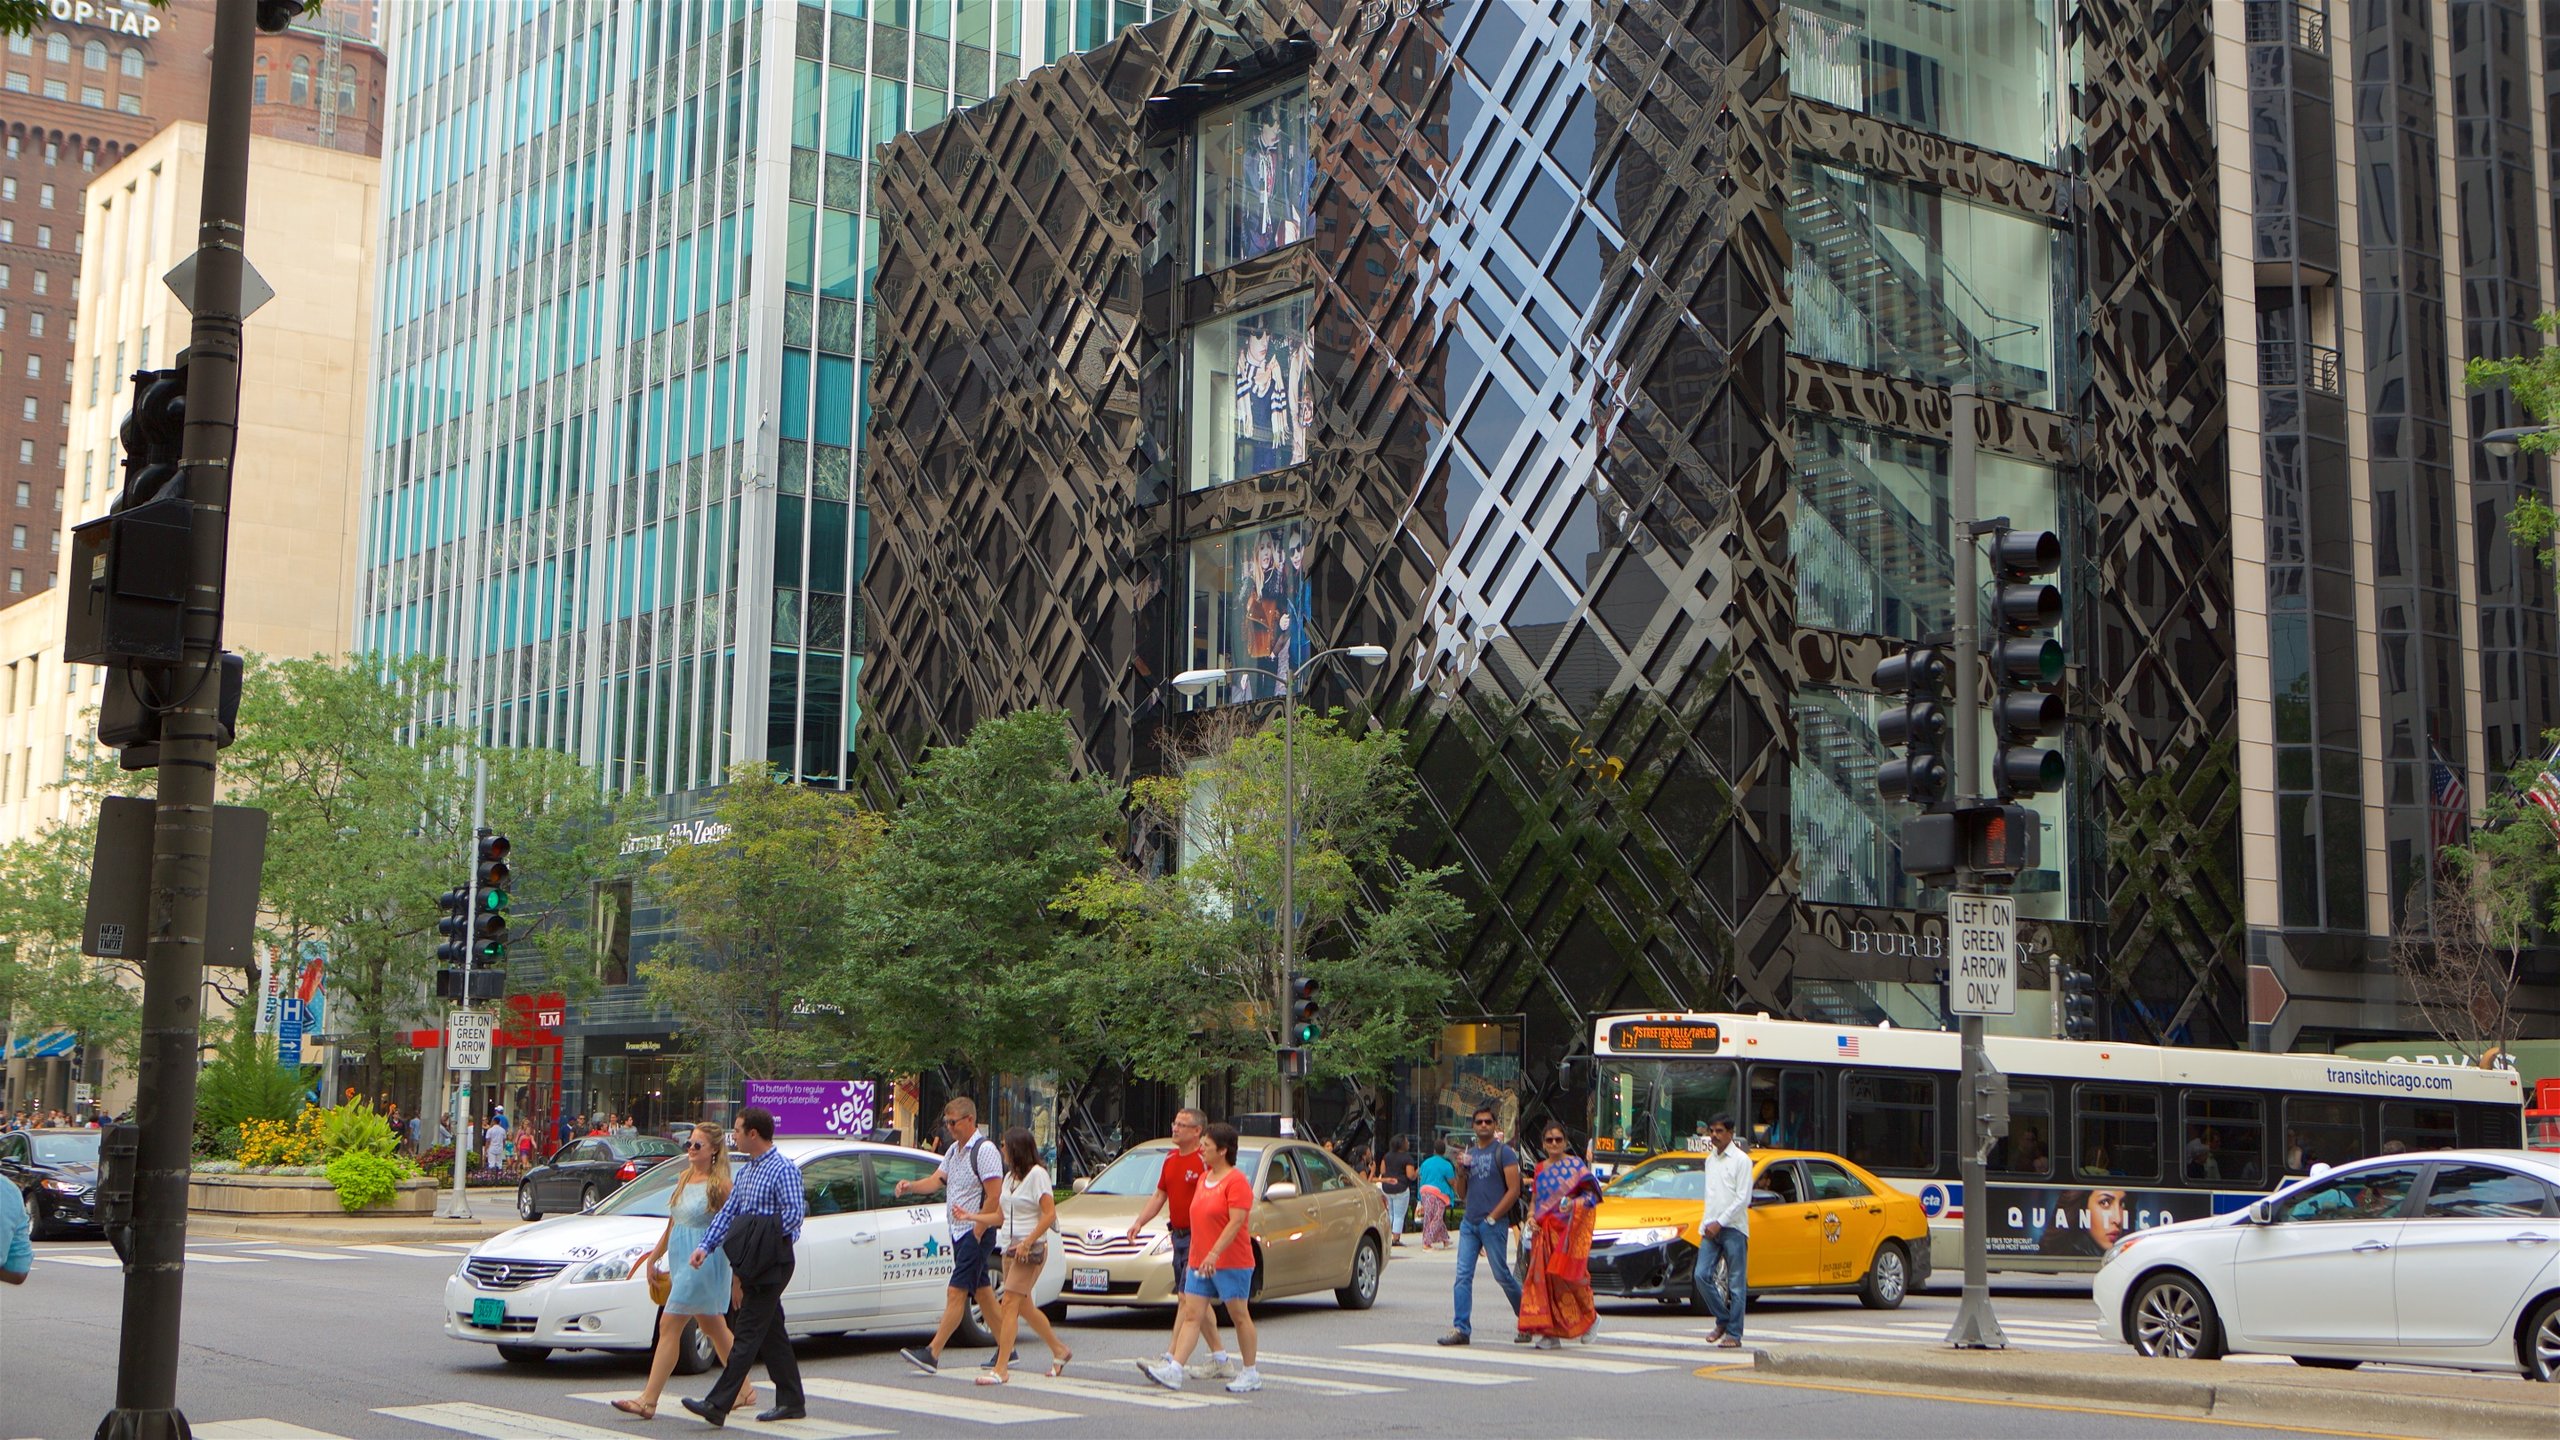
825, 1290
2482, 1235
2322, 1274
13, 1166
569, 1182
1784, 1231
1285, 1226
1851, 1218
1338, 1203
912, 1237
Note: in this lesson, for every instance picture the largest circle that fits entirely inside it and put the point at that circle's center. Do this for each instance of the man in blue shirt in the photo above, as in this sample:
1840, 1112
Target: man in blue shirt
756, 1228
17, 1254
1489, 1185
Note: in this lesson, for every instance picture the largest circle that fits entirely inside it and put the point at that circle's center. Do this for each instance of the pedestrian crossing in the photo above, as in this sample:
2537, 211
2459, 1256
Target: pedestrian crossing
93, 1256
1864, 1328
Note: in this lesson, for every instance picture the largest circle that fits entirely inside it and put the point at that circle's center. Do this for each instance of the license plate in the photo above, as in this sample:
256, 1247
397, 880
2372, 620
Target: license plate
488, 1312
1091, 1281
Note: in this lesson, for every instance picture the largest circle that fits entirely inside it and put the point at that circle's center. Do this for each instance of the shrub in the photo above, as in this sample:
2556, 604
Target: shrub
298, 1141
354, 1129
363, 1178
244, 1083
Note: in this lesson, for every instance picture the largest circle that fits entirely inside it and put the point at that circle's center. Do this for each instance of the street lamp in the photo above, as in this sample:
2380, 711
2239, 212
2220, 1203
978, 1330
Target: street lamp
2506, 442
1192, 682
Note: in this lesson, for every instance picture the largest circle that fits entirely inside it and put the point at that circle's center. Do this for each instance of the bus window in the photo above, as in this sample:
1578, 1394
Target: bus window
1785, 1112
2407, 1125
1890, 1120
1652, 1105
2119, 1133
2322, 1132
2027, 1150
2226, 1139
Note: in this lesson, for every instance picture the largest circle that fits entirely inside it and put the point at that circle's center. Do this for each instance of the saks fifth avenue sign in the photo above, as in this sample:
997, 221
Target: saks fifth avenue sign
140, 24
680, 833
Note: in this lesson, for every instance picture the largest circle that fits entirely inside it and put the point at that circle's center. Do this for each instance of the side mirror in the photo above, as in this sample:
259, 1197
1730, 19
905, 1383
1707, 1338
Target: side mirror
1280, 1190
2263, 1213
1081, 1184
1764, 1197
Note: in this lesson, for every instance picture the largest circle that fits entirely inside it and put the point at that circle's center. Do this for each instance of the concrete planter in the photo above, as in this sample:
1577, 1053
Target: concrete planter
296, 1195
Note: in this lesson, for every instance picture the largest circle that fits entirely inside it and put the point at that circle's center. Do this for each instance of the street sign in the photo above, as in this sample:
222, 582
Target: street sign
1982, 948
81, 1096
467, 1045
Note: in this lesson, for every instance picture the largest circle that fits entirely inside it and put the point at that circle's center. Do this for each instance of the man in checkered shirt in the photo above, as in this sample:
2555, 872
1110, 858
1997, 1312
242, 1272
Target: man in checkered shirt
757, 1228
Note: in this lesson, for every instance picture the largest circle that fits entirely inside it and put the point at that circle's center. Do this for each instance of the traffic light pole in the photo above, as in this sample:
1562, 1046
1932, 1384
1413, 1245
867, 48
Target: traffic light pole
1975, 1327
457, 1206
182, 829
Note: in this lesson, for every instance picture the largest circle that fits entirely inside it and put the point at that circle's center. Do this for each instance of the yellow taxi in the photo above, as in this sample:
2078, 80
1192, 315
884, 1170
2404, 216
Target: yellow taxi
1817, 1223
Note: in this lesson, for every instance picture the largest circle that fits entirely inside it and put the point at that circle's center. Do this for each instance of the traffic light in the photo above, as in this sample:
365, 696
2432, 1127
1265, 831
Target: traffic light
1305, 1027
154, 435
2026, 662
2000, 841
490, 877
1918, 726
126, 587
2080, 1005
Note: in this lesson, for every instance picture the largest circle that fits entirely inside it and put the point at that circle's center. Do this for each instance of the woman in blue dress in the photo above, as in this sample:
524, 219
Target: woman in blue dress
701, 1295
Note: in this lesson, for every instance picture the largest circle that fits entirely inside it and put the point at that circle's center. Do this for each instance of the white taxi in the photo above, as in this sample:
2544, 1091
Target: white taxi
867, 1261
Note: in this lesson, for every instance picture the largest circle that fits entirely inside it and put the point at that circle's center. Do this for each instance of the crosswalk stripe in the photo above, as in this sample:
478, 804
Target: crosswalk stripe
1522, 1357
944, 1407
1136, 1392
1647, 1337
491, 1423
93, 1262
1329, 1387
308, 1254
1381, 1370
402, 1250
810, 1429
199, 1257
257, 1430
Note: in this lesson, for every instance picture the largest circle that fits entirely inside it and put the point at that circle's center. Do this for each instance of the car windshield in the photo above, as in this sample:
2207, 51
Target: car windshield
1662, 1180
67, 1149
1132, 1174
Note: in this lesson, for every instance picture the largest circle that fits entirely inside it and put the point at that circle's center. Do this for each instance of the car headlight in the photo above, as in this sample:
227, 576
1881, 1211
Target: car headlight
66, 1187
1652, 1235
2117, 1250
1161, 1245
608, 1268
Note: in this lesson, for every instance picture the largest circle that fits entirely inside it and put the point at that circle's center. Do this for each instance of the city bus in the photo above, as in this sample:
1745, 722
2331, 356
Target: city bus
2104, 1137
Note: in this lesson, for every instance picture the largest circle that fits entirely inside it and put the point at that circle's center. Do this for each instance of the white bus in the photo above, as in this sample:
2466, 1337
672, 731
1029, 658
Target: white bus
2103, 1137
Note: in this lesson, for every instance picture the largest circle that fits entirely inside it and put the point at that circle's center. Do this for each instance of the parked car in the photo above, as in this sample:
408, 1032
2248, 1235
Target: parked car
1316, 1226
2449, 1257
866, 1261
1818, 1223
56, 1171
586, 1170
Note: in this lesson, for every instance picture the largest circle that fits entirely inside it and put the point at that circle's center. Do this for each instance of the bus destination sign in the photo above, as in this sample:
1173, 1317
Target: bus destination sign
1665, 1037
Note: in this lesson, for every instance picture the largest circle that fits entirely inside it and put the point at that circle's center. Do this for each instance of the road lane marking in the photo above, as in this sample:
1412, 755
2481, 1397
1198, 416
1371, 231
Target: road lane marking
199, 1257
811, 1429
1381, 1370
93, 1262
257, 1430
1138, 1392
402, 1250
491, 1423
1521, 1356
941, 1406
1329, 1387
1941, 1398
310, 1254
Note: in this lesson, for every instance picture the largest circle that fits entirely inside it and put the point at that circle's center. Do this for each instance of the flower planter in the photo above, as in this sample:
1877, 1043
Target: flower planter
296, 1195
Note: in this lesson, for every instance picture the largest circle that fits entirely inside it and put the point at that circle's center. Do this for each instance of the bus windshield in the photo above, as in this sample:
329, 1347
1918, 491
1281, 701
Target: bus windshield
1648, 1105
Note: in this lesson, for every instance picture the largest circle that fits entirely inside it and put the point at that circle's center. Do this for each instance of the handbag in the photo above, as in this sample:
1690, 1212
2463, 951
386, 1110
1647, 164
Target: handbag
661, 1283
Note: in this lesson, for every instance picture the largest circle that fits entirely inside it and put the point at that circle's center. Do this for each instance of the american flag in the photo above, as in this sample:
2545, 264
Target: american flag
2544, 793
1845, 1047
2452, 815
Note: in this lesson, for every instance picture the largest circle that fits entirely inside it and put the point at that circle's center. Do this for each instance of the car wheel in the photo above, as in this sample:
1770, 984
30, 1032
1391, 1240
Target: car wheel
526, 1207
1888, 1278
1362, 1292
2540, 1347
40, 1222
694, 1353
524, 1354
588, 1197
2324, 1362
2172, 1318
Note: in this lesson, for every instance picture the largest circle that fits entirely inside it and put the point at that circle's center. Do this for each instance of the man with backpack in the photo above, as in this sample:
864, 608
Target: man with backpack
970, 1174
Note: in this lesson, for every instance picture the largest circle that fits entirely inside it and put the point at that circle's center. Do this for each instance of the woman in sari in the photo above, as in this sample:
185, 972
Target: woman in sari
1555, 1291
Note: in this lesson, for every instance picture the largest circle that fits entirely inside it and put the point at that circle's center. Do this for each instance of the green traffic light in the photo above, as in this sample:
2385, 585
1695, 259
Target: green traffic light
493, 899
493, 953
1307, 1034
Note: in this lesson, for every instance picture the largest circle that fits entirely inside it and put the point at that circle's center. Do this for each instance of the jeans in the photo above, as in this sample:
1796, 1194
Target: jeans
1733, 1248
1397, 1205
1493, 1237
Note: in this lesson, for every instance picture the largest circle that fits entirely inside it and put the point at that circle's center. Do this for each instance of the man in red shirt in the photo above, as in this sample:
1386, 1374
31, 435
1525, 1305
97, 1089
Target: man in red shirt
1174, 1187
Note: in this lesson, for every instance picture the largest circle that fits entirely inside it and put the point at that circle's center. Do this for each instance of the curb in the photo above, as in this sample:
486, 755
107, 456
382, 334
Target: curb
2315, 1398
493, 1213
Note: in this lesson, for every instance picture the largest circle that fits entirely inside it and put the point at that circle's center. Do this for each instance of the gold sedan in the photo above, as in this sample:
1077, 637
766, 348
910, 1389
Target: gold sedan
1316, 1226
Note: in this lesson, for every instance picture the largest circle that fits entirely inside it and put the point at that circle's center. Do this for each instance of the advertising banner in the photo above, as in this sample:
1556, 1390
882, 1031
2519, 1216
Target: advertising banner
817, 1107
2081, 1221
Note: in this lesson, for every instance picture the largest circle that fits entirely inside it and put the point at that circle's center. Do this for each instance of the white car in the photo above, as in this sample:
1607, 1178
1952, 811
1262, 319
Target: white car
2442, 1257
866, 1261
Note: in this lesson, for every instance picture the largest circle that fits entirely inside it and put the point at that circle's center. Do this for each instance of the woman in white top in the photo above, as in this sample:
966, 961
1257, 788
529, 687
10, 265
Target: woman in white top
1027, 1211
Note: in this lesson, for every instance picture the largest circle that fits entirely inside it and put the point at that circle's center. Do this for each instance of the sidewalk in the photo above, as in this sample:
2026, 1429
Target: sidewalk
2405, 1402
493, 1210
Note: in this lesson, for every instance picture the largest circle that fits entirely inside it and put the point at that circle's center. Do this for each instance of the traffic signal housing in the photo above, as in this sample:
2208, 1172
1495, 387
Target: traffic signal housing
1917, 727
490, 877
2027, 662
2079, 1005
126, 586
1305, 1022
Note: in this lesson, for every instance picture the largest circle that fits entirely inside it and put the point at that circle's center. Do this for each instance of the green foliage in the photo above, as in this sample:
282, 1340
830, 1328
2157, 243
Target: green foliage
953, 952
245, 1083
364, 1178
2535, 382
757, 916
1182, 972
354, 1129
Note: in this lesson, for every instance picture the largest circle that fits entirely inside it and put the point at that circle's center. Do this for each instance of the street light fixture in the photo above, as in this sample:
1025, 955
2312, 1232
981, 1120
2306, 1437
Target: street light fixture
1192, 682
2506, 442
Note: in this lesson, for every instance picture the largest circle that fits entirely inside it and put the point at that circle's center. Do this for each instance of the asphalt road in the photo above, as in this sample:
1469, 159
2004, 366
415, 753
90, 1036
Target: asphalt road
308, 1342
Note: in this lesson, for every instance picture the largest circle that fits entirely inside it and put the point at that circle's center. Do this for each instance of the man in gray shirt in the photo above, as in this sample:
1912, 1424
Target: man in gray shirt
1489, 1187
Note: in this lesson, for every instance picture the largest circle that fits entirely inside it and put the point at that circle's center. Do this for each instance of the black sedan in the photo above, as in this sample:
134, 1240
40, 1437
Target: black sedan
57, 1172
585, 1171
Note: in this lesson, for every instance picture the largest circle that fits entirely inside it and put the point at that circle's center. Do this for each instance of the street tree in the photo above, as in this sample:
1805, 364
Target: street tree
756, 918
2460, 957
2535, 382
1185, 965
956, 956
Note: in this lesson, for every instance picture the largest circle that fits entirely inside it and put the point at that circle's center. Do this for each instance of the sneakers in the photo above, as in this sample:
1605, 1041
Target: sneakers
1246, 1382
1454, 1337
1218, 1365
925, 1361
1546, 1342
1164, 1372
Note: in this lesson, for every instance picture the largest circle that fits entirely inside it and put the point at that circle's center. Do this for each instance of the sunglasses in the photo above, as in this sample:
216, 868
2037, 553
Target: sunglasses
1555, 1139
693, 1145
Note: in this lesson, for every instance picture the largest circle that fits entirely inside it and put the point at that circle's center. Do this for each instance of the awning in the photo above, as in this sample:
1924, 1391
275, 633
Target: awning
46, 1046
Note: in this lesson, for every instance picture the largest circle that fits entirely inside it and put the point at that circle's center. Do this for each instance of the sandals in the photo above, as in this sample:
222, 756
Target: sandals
1058, 1366
636, 1410
990, 1377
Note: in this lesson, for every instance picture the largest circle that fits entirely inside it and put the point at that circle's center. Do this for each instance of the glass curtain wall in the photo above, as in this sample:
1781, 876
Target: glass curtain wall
1979, 71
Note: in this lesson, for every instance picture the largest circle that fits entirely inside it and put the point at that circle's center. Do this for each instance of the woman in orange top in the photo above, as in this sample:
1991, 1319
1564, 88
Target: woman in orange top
1221, 1269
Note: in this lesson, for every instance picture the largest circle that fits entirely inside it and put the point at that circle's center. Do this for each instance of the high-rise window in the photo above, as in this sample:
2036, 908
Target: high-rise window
1256, 177
1252, 393
301, 88
1982, 72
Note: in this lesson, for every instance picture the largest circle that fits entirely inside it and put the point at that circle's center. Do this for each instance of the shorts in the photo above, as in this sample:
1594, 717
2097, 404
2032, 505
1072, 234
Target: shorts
1227, 1286
969, 1260
1181, 1254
